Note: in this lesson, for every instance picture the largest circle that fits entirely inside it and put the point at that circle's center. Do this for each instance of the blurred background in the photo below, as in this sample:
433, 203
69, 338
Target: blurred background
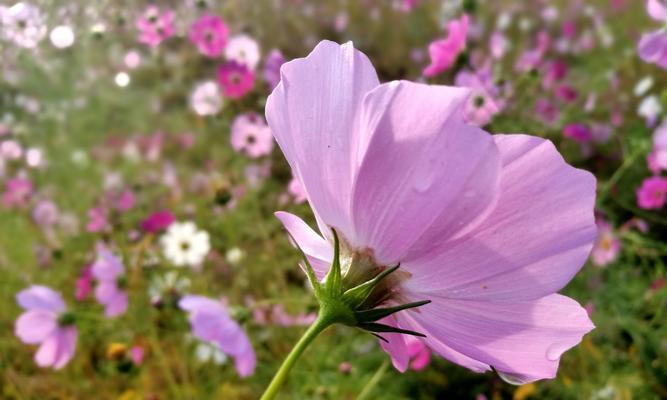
119, 119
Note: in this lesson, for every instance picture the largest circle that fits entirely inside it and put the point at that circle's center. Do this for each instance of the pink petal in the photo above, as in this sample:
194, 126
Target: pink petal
245, 363
35, 325
314, 115
117, 305
108, 266
520, 338
38, 297
58, 348
195, 303
395, 346
426, 176
534, 241
105, 292
318, 250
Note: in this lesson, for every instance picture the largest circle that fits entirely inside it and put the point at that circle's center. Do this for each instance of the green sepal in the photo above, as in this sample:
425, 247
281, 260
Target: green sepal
376, 314
334, 280
358, 294
310, 272
376, 327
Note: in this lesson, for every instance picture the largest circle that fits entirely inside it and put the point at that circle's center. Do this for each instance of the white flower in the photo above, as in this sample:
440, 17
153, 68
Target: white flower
122, 79
650, 108
244, 50
62, 36
207, 352
23, 24
206, 99
183, 244
643, 86
168, 284
234, 255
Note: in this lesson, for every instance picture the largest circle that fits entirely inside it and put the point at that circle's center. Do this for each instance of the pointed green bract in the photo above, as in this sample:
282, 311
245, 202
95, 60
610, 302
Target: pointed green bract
334, 279
356, 296
376, 314
376, 327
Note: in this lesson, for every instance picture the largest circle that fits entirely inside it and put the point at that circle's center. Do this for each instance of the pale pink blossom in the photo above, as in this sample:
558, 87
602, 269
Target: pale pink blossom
209, 33
155, 25
477, 222
251, 135
607, 245
109, 272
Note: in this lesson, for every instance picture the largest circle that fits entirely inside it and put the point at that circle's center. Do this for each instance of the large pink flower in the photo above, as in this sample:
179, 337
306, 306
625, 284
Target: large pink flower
488, 228
46, 323
444, 52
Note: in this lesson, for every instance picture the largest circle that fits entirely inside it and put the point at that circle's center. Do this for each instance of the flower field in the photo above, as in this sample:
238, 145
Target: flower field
349, 199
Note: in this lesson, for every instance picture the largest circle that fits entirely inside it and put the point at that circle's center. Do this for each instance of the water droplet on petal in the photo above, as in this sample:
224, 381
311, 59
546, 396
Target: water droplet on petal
513, 379
556, 350
423, 183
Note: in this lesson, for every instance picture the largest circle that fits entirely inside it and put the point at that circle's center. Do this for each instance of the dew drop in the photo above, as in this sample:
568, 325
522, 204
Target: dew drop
556, 350
513, 379
423, 183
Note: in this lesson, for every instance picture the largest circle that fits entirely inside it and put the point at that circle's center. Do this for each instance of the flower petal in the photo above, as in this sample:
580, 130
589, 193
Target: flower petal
426, 176
314, 114
318, 250
35, 325
66, 346
534, 241
519, 338
38, 297
395, 345
657, 10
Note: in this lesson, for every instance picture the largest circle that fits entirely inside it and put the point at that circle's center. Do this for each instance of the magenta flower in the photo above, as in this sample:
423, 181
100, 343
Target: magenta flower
607, 245
653, 45
488, 228
84, 284
444, 52
155, 25
109, 272
652, 194
295, 189
251, 135
17, 192
46, 322
211, 322
235, 79
157, 221
418, 352
579, 132
210, 34
274, 60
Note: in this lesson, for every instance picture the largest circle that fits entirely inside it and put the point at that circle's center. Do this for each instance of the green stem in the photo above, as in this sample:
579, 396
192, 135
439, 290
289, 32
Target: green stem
366, 391
320, 324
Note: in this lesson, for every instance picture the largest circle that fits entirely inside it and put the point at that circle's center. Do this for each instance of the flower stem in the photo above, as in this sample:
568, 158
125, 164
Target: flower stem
320, 324
366, 391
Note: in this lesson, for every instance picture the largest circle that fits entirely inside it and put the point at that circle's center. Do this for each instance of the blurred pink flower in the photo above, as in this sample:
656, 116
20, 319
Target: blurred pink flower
477, 222
243, 50
84, 284
210, 34
125, 200
607, 245
109, 273
272, 67
532, 58
444, 52
295, 189
157, 221
137, 354
546, 110
210, 321
46, 322
653, 45
155, 25
132, 59
566, 93
480, 106
97, 219
235, 79
251, 135
17, 192
498, 44
579, 132
660, 148
653, 193
45, 213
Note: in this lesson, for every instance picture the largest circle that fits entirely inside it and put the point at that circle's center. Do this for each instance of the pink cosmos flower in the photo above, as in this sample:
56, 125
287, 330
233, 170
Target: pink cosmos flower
125, 200
109, 272
488, 228
295, 189
17, 192
157, 221
97, 219
45, 213
532, 58
653, 45
579, 132
607, 245
251, 135
498, 45
155, 25
137, 354
652, 194
210, 34
480, 106
235, 79
272, 67
47, 323
659, 152
84, 284
444, 52
210, 321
